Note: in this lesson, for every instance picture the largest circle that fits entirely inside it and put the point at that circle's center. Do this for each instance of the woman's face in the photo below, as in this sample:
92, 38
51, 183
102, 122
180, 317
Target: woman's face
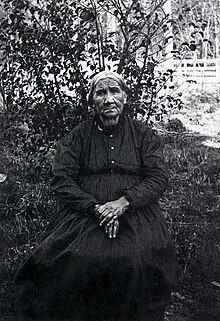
108, 98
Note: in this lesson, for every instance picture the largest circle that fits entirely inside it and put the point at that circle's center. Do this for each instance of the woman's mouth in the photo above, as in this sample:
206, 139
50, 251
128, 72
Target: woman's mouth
109, 109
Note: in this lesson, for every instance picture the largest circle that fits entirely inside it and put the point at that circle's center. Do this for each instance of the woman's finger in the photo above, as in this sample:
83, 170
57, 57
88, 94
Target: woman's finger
110, 231
104, 214
107, 218
103, 207
112, 220
97, 214
115, 228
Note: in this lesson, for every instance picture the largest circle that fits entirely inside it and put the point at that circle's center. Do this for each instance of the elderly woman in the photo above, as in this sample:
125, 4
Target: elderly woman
106, 255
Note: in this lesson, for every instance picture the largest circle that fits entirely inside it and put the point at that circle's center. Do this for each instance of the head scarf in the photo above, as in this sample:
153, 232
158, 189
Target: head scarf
104, 75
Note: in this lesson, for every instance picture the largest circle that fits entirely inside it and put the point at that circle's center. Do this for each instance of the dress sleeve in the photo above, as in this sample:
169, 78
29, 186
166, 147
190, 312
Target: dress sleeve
66, 171
155, 175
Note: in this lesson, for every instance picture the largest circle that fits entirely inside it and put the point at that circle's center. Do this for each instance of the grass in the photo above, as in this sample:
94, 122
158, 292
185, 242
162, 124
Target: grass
192, 209
191, 206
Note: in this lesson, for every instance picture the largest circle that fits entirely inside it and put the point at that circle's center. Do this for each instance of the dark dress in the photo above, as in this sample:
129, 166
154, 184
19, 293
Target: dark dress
77, 273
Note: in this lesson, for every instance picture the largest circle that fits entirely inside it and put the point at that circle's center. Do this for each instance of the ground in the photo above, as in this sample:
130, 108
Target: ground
204, 119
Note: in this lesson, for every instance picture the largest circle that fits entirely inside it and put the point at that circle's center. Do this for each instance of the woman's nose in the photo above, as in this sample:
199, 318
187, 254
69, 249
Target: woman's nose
109, 98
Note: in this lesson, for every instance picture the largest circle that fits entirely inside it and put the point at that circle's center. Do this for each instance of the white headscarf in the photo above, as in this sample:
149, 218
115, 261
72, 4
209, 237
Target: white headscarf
104, 75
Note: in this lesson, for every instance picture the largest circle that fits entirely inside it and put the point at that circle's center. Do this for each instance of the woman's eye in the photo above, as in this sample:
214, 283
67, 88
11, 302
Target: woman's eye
115, 90
100, 93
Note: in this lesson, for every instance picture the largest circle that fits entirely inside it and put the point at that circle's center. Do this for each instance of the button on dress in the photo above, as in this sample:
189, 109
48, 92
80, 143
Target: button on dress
77, 273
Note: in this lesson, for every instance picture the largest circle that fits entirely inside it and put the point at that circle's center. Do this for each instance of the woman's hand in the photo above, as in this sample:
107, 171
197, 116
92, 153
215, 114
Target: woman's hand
111, 211
112, 230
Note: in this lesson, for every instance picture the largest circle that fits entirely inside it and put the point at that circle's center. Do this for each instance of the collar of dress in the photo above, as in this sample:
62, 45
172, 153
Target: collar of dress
110, 129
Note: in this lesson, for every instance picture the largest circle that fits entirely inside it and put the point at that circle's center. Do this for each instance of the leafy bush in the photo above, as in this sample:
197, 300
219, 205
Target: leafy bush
49, 51
51, 48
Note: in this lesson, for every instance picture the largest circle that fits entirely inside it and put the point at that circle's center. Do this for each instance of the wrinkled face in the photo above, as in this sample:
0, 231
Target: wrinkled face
108, 98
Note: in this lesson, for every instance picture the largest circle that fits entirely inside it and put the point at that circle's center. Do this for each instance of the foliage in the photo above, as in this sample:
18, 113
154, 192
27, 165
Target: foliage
199, 25
50, 49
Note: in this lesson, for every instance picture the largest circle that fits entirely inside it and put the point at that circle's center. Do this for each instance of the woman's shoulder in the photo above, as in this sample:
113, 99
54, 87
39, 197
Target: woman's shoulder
85, 126
76, 135
146, 135
81, 129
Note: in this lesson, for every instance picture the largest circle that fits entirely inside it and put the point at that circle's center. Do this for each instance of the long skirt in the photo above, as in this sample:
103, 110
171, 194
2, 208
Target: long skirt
78, 274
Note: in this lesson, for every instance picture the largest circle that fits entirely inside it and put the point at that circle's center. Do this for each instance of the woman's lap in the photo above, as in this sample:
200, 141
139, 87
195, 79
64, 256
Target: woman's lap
83, 263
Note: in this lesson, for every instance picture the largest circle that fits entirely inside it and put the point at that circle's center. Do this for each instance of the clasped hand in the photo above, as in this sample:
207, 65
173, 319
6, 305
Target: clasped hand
109, 213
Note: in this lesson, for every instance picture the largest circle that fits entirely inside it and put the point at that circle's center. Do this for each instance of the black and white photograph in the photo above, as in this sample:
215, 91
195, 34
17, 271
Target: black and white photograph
109, 160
